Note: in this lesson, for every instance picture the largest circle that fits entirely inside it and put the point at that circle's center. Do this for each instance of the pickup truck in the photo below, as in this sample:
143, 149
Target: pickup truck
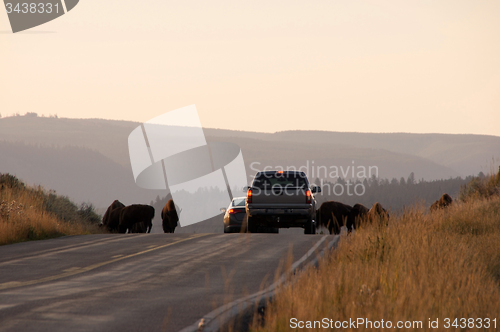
281, 199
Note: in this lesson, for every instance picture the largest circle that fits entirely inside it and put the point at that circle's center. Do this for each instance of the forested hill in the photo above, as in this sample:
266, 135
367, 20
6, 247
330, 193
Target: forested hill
87, 159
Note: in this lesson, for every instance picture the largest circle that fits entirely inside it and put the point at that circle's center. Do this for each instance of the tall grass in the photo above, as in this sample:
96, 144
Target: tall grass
28, 213
423, 266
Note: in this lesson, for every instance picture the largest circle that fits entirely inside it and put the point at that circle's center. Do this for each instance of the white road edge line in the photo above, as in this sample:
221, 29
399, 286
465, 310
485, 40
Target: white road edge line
214, 320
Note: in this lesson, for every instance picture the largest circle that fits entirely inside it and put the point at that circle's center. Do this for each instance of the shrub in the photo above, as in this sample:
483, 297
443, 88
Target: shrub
31, 213
481, 187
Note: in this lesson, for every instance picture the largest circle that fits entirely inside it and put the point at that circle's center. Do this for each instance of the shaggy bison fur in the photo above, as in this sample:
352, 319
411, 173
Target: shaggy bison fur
111, 220
357, 216
362, 215
377, 214
443, 202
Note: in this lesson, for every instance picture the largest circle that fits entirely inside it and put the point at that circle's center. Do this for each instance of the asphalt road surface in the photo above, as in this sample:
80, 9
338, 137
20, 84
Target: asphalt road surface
136, 282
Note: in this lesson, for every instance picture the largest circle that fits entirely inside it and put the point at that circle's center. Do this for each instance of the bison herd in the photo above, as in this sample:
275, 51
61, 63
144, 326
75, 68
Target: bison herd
138, 218
333, 215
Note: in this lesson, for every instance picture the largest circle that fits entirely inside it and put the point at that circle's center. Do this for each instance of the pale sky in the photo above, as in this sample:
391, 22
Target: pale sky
367, 66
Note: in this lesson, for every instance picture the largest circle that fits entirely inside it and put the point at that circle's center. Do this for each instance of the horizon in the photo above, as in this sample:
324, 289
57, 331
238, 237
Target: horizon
55, 116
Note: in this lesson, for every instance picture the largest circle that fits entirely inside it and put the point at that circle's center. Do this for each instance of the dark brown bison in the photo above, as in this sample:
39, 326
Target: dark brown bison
443, 202
111, 221
333, 215
136, 214
356, 217
378, 215
169, 217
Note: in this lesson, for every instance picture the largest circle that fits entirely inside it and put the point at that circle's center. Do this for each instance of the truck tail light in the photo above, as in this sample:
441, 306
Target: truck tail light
249, 196
308, 196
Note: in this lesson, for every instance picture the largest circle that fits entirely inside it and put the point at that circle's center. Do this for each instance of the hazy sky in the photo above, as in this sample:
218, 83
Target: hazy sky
369, 66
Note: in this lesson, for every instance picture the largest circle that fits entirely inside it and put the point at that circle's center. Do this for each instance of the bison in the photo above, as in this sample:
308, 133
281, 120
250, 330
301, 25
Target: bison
443, 202
360, 215
169, 217
333, 215
111, 220
377, 214
136, 214
356, 217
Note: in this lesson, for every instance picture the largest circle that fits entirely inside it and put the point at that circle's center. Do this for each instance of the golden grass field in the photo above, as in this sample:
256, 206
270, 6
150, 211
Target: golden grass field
423, 266
24, 215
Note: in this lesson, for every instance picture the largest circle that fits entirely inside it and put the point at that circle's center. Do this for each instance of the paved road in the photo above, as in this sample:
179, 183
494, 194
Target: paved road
135, 282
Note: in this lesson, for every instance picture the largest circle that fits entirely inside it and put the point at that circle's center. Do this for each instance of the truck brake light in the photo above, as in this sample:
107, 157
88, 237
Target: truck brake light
308, 196
249, 196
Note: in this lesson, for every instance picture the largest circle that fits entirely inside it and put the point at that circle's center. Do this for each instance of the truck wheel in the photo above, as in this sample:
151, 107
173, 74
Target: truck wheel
310, 227
251, 227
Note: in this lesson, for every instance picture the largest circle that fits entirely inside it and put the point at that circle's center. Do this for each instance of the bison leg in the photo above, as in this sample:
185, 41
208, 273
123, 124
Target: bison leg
333, 225
349, 225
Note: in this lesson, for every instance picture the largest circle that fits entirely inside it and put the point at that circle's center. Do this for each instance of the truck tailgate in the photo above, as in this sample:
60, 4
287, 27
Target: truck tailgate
274, 197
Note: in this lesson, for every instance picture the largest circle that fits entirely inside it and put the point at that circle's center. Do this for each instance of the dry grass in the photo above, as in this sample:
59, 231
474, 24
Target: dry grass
445, 264
24, 214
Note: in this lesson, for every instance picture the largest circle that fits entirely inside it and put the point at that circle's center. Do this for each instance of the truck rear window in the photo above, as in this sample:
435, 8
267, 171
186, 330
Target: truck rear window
279, 180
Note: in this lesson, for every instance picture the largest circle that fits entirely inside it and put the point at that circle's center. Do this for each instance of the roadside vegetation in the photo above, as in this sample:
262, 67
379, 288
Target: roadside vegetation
439, 265
32, 213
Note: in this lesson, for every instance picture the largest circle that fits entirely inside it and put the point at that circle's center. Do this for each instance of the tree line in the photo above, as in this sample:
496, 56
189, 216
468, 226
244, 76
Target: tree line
393, 194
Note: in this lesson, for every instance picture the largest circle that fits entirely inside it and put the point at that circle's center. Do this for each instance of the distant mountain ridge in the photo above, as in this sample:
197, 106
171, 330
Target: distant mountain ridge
87, 159
460, 152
